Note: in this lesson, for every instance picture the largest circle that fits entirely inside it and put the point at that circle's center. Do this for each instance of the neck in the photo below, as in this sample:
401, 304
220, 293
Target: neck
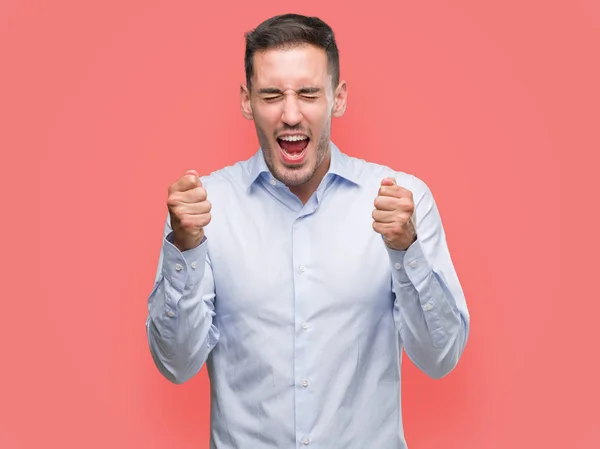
305, 191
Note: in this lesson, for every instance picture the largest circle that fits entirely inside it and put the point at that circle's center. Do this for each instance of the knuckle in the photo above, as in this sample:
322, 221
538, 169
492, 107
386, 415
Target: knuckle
202, 193
185, 223
179, 211
406, 202
192, 223
186, 180
172, 201
171, 191
205, 219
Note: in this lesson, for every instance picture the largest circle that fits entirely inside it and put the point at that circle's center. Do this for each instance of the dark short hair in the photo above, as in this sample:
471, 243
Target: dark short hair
289, 30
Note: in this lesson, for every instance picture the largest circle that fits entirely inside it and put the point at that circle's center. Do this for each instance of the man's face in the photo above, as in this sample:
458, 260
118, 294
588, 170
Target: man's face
292, 102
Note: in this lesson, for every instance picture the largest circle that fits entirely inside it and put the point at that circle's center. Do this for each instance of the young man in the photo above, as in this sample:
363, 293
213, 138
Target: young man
307, 272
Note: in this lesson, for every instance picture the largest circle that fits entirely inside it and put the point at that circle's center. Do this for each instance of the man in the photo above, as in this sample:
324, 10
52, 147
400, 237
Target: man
306, 273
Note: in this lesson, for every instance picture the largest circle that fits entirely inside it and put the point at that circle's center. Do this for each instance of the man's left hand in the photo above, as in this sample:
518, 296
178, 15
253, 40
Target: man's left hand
394, 208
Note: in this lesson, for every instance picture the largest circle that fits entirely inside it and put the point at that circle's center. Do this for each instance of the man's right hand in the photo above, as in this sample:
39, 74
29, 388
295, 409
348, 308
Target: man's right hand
189, 210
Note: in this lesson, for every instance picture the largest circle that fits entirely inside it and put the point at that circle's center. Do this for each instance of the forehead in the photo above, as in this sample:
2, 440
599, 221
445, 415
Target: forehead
291, 67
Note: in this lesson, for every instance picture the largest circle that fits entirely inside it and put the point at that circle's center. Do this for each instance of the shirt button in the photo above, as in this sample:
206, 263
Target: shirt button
302, 268
304, 325
178, 267
305, 383
413, 263
428, 306
305, 441
397, 265
273, 182
194, 265
170, 313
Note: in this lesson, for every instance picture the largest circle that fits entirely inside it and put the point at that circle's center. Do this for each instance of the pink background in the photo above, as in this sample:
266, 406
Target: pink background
103, 104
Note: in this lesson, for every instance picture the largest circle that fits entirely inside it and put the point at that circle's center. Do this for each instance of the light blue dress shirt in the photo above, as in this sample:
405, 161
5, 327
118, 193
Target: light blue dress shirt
301, 312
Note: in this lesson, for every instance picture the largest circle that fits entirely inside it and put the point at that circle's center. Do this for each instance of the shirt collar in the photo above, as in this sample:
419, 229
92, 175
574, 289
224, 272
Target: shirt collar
340, 166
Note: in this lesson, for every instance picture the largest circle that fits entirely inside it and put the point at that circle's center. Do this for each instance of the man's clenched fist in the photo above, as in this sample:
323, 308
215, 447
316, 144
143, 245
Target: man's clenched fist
392, 216
189, 210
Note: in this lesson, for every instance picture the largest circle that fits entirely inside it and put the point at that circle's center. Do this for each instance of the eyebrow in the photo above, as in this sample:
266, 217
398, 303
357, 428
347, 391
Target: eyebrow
269, 90
276, 91
309, 90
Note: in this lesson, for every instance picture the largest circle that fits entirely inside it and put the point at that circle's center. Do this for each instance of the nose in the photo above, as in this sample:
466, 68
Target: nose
291, 111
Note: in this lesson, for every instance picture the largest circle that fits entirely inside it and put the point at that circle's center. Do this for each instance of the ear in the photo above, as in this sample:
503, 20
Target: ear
339, 99
245, 102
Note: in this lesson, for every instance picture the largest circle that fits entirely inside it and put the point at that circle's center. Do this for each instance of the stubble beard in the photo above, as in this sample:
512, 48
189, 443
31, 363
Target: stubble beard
293, 176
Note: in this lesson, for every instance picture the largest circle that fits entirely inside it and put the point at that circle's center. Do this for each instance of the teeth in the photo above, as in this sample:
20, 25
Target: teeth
293, 138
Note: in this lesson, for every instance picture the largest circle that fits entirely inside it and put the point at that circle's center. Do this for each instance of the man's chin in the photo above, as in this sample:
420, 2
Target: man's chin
294, 175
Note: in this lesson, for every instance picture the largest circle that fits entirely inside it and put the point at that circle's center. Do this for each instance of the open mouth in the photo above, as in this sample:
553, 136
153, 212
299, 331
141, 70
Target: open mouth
293, 148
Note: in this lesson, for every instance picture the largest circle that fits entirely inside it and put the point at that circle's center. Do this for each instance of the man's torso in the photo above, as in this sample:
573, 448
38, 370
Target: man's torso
308, 349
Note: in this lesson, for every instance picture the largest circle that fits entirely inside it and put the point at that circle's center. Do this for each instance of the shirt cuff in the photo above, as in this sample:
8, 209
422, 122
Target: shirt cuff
410, 266
181, 268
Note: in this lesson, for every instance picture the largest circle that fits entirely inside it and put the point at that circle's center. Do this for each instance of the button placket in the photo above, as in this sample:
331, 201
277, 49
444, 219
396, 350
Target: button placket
301, 261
